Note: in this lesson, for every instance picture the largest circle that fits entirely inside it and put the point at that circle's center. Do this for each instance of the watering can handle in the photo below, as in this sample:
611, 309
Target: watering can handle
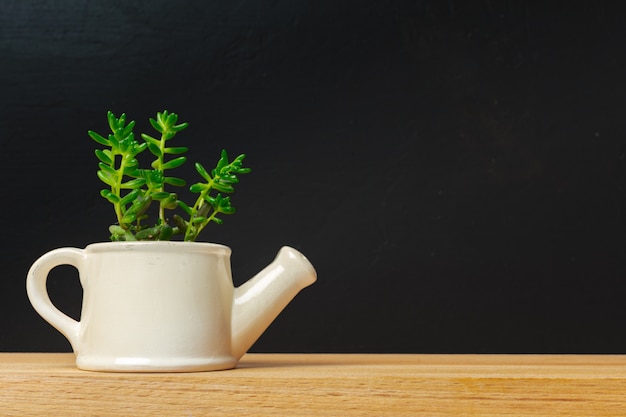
38, 292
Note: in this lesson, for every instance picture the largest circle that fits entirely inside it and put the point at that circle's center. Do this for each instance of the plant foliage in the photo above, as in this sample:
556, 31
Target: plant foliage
133, 190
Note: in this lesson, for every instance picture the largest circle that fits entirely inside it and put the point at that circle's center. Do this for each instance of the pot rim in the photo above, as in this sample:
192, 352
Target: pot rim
157, 246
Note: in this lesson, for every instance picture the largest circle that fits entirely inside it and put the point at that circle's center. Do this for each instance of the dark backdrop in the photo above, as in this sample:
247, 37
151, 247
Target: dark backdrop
454, 170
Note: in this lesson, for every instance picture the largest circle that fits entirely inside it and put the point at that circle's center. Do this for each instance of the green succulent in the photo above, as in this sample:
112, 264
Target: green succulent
133, 190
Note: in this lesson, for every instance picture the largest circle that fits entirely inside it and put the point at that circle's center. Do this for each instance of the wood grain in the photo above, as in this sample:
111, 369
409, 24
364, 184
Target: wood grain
33, 384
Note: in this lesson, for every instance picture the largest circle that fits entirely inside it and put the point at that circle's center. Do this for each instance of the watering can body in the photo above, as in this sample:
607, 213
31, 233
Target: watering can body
166, 306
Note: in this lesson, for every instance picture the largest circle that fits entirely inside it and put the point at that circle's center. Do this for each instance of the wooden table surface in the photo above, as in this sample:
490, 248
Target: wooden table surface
33, 384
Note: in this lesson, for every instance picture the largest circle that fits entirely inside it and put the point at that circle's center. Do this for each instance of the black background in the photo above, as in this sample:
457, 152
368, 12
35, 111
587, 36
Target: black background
454, 170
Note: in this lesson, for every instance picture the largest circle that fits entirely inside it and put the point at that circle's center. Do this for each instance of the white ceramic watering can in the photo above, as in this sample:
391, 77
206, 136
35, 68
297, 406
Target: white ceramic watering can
165, 306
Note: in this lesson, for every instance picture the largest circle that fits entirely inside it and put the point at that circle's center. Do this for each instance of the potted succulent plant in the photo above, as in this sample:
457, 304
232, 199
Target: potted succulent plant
155, 299
132, 190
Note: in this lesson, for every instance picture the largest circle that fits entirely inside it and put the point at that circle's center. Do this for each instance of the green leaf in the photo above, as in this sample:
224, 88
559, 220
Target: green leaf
140, 205
179, 221
110, 196
150, 139
149, 234
100, 139
185, 207
139, 148
197, 220
223, 161
174, 163
115, 144
165, 232
128, 129
113, 121
133, 184
180, 126
120, 234
130, 166
155, 150
203, 172
228, 179
175, 150
156, 125
129, 197
223, 187
128, 217
225, 207
126, 144
160, 195
170, 119
107, 171
176, 182
242, 170
117, 230
170, 203
106, 178
104, 156
197, 187
154, 178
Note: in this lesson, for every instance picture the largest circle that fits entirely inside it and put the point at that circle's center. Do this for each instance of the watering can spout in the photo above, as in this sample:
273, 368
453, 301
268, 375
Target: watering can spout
259, 301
